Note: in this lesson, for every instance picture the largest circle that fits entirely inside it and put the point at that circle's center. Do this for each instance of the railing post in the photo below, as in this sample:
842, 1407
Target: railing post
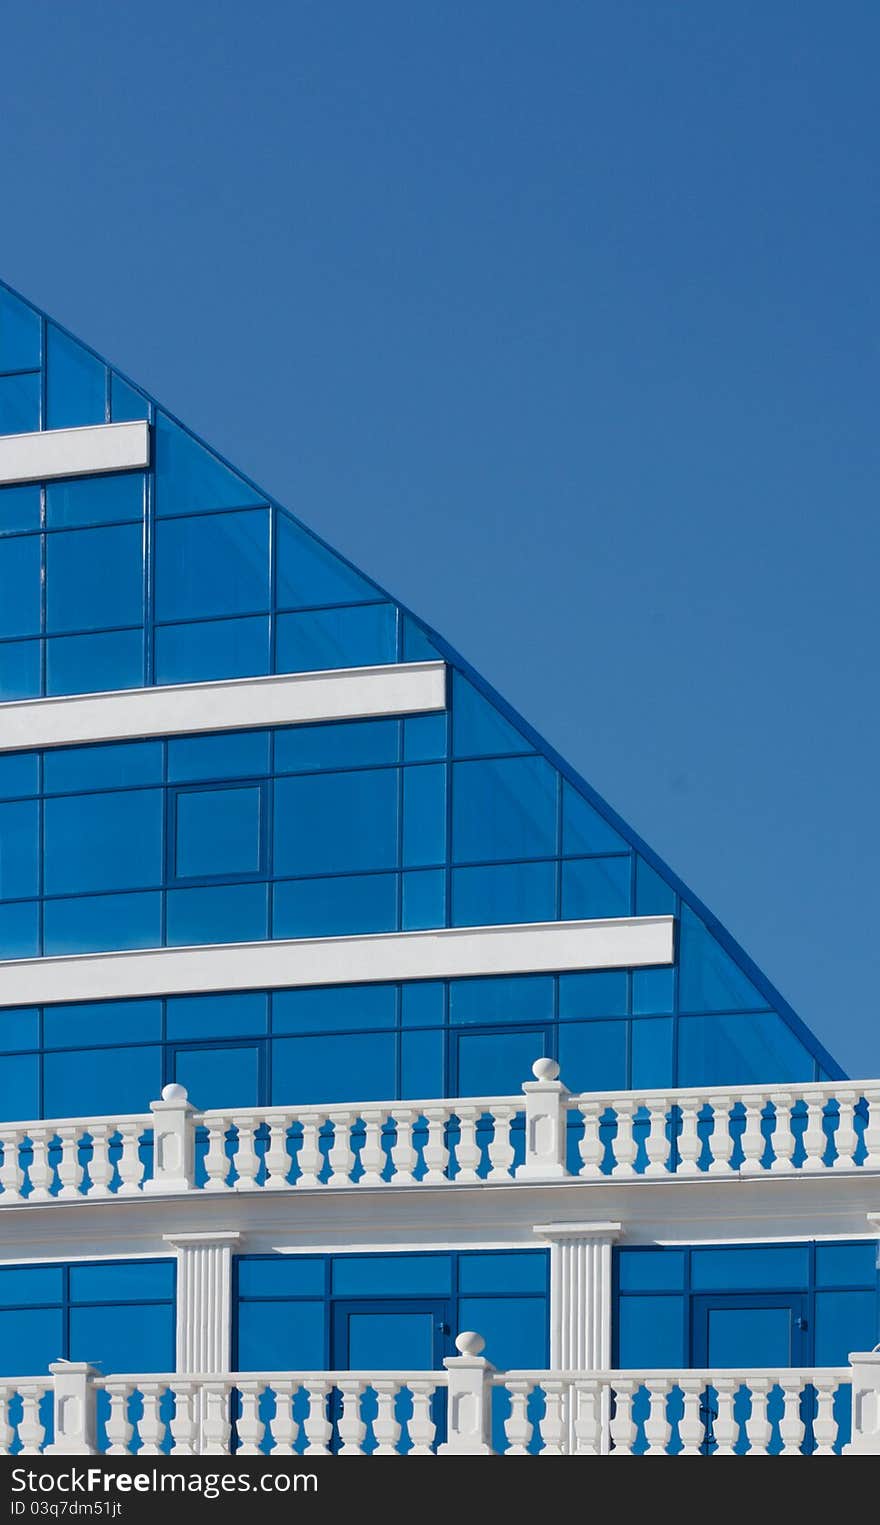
75, 1423
546, 1124
469, 1410
173, 1142
865, 1439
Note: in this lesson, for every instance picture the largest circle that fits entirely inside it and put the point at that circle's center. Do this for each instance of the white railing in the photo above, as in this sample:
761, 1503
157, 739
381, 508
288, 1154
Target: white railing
545, 1133
468, 1408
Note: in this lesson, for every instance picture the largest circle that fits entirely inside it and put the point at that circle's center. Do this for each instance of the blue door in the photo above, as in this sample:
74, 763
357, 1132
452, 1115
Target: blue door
379, 1334
766, 1329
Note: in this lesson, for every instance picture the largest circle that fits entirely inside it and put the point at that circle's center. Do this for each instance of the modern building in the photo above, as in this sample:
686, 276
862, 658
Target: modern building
339, 1018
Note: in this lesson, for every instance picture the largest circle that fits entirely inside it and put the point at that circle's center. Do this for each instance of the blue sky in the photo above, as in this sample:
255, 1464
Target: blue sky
562, 321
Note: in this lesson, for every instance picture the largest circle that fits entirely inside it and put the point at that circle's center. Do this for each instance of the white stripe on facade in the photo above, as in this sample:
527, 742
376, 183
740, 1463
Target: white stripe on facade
235, 704
447, 953
94, 449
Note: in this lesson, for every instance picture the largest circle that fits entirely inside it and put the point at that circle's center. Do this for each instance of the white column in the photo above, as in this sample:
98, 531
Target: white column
204, 1299
580, 1304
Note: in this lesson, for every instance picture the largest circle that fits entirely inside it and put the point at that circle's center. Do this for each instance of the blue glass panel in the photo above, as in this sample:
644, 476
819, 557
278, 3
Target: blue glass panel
424, 737
76, 383
30, 1338
20, 929
20, 670
846, 1265
325, 907
423, 1004
218, 564
749, 1337
19, 774
424, 815
584, 830
359, 1066
19, 1028
218, 831
31, 1285
597, 994
354, 743
66, 769
417, 647
503, 1271
20, 581
280, 1276
19, 508
477, 728
515, 1328
94, 578
19, 404
189, 479
596, 887
88, 1022
20, 1089
651, 1331
103, 923
310, 573
95, 500
198, 653
421, 1063
362, 635
379, 1340
216, 1016
126, 402
424, 899
651, 1270
496, 1064
592, 1056
759, 1268
291, 1334
218, 913
124, 1281
19, 334
507, 893
503, 809
220, 1077
122, 1339
19, 849
502, 998
83, 664
232, 754
709, 979
391, 1276
103, 841
95, 1082
653, 991
336, 822
740, 1050
654, 897
652, 1063
845, 1322
339, 1008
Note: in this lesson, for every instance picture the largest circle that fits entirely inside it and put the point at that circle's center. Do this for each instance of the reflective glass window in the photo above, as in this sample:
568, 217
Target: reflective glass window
597, 993
84, 664
424, 815
654, 897
280, 1276
95, 500
19, 773
423, 899
84, 1023
76, 383
496, 1064
653, 991
217, 564
503, 1271
19, 508
229, 1075
331, 1069
652, 1058
103, 841
477, 728
20, 329
210, 649
20, 1088
115, 764
503, 893
102, 923
94, 578
592, 1055
231, 754
216, 1016
345, 744
19, 849
709, 978
339, 1008
310, 573
218, 831
846, 1265
501, 998
584, 830
596, 887
20, 669
20, 581
421, 1064
391, 1275
336, 822
651, 1270
95, 1082
326, 907
362, 635
424, 737
504, 808
19, 1028
739, 1050
189, 479
122, 1281
20, 929
20, 404
217, 913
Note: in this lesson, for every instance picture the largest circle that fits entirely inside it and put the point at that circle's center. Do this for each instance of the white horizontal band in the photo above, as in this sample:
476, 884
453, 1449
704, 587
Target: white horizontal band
232, 704
448, 953
96, 448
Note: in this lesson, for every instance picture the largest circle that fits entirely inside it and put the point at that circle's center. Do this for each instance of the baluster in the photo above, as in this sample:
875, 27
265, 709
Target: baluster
282, 1426
385, 1425
791, 1425
721, 1140
435, 1152
372, 1152
351, 1427
119, 1429
245, 1159
759, 1428
31, 1430
517, 1426
310, 1159
590, 1145
871, 1136
216, 1427
825, 1424
783, 1139
249, 1425
100, 1166
421, 1428
691, 1429
277, 1158
341, 1156
129, 1163
725, 1426
501, 1152
70, 1171
624, 1146
317, 1426
152, 1426
7, 1433
11, 1173
468, 1153
690, 1145
41, 1173
752, 1142
183, 1426
813, 1139
587, 1399
553, 1424
658, 1430
623, 1428
404, 1158
845, 1139
216, 1159
656, 1143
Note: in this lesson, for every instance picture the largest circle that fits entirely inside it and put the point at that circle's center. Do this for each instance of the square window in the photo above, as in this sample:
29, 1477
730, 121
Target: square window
217, 832
94, 578
329, 823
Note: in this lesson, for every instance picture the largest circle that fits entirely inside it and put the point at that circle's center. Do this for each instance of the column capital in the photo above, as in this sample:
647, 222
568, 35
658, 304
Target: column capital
221, 1239
605, 1233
